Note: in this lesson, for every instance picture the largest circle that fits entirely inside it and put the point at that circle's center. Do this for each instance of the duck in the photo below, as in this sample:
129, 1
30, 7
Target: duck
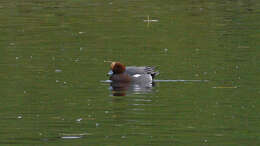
134, 74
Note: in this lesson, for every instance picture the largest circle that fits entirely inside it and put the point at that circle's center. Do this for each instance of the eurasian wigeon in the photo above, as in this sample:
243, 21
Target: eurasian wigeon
142, 74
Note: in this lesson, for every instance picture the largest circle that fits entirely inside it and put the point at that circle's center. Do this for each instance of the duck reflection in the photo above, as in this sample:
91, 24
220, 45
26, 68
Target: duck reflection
123, 89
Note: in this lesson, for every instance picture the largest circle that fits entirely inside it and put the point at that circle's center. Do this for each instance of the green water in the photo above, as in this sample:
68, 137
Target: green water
52, 61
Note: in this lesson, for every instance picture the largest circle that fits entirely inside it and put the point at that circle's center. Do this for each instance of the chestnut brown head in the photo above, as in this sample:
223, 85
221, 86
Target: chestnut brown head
117, 67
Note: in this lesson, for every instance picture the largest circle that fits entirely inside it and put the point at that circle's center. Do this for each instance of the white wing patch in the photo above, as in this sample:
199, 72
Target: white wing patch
136, 75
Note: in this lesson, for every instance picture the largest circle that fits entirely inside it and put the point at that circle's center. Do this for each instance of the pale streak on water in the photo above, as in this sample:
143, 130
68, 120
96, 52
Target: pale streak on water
109, 81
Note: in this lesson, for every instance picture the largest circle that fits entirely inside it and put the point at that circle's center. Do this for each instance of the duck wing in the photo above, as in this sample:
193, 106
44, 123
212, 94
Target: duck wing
132, 70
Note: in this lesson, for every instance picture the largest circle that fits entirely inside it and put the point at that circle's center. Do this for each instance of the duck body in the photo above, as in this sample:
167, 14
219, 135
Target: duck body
133, 74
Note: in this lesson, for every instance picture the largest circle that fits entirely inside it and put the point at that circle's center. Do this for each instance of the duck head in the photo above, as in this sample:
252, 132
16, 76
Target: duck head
117, 67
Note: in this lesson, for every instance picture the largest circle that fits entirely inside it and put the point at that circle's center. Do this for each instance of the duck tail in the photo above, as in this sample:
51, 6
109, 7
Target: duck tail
152, 72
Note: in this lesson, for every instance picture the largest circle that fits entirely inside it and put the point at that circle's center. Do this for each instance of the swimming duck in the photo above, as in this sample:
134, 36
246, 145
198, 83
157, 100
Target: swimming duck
121, 73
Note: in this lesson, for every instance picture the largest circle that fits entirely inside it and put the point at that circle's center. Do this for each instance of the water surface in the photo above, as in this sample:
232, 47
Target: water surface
52, 61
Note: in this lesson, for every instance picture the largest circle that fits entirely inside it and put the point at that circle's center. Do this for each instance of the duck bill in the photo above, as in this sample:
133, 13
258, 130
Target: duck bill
110, 73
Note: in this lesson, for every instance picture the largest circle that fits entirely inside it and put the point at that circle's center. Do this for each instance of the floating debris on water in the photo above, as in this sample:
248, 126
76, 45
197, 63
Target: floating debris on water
123, 136
77, 60
148, 20
58, 70
79, 119
71, 137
